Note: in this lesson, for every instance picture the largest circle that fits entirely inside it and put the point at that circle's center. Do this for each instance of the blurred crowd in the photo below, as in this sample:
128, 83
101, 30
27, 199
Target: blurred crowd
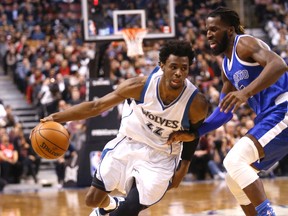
42, 49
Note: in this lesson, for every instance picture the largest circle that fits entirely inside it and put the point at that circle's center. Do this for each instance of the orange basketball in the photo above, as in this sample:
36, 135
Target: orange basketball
50, 140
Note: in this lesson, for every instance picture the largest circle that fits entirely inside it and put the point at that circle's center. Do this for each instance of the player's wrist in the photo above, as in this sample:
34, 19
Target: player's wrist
195, 134
247, 94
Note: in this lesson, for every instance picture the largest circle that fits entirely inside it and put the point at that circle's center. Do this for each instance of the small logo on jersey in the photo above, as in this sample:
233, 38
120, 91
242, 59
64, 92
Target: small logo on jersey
240, 75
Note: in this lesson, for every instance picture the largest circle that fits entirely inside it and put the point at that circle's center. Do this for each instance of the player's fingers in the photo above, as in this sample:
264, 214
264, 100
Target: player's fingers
48, 118
30, 135
228, 107
171, 138
225, 102
236, 107
32, 131
170, 141
223, 105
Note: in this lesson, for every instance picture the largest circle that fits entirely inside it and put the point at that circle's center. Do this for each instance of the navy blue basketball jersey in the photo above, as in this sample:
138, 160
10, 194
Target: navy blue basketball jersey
241, 74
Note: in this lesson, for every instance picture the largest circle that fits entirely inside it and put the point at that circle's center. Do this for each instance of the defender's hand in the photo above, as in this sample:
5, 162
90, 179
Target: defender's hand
233, 100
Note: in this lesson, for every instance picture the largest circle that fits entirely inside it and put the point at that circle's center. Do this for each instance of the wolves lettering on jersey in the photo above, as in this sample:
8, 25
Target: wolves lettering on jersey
241, 74
159, 120
151, 122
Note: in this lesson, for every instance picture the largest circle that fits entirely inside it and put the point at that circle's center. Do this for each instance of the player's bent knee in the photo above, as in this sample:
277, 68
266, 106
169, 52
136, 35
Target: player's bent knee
238, 160
231, 163
243, 152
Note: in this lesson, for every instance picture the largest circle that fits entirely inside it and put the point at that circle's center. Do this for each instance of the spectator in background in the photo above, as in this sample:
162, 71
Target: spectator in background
10, 60
35, 81
2, 114
10, 169
37, 33
230, 129
10, 119
64, 68
49, 96
75, 96
69, 159
127, 70
22, 70
27, 159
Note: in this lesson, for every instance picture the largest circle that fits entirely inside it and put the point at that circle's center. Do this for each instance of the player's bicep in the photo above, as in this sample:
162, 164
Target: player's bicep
198, 110
131, 88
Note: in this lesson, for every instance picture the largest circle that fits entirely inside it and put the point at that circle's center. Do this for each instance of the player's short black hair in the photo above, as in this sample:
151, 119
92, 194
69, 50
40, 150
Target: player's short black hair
177, 48
228, 16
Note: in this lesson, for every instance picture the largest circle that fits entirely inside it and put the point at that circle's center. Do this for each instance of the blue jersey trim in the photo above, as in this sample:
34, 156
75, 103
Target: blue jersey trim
146, 85
104, 152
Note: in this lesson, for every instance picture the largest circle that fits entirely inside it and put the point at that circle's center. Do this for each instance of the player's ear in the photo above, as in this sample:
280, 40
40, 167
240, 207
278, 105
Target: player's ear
231, 30
161, 65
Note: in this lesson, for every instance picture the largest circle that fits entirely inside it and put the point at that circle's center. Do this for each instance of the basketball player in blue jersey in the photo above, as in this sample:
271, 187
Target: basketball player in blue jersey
251, 73
142, 160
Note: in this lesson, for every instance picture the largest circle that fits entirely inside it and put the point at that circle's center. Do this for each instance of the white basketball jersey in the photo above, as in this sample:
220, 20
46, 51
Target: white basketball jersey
150, 121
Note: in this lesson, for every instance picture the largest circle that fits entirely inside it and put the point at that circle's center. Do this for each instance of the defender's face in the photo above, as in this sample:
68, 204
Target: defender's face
217, 35
175, 70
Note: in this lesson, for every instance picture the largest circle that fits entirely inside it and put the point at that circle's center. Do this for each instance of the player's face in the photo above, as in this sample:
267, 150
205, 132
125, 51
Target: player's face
175, 70
217, 35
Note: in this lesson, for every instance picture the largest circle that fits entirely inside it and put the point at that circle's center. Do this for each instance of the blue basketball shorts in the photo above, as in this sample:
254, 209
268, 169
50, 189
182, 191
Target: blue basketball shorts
271, 130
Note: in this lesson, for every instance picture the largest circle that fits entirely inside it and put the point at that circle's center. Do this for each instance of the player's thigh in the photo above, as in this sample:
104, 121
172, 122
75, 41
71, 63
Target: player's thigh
112, 167
272, 134
153, 180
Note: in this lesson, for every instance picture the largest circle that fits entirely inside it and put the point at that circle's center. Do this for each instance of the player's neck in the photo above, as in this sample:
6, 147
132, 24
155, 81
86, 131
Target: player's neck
168, 95
229, 50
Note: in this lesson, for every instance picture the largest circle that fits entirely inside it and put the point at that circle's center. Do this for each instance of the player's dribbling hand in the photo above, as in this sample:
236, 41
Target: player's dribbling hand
32, 131
48, 118
180, 136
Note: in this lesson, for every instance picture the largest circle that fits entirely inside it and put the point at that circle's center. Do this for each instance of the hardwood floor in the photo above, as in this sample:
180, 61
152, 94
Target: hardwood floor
190, 199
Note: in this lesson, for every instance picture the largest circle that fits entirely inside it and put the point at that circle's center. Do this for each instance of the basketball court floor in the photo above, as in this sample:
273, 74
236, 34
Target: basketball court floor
190, 199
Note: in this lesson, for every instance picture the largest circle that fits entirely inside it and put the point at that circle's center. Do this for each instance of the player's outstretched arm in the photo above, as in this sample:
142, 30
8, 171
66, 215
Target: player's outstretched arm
130, 88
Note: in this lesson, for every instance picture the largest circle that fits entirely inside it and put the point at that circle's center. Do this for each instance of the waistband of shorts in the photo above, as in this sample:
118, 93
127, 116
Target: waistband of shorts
281, 98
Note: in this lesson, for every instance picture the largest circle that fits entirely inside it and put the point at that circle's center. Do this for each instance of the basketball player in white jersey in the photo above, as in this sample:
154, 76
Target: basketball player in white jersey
251, 73
159, 112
